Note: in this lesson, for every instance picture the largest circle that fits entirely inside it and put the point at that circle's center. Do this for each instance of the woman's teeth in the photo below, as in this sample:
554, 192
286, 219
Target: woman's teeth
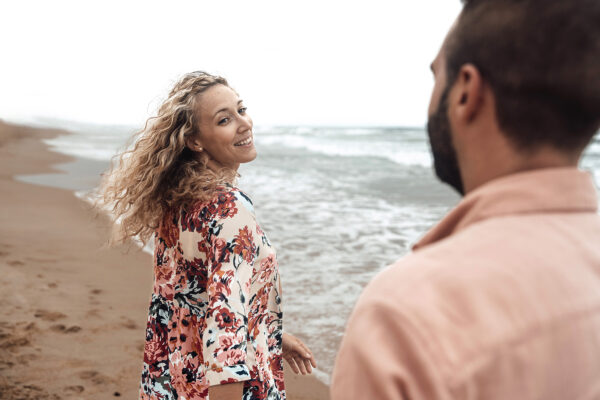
244, 142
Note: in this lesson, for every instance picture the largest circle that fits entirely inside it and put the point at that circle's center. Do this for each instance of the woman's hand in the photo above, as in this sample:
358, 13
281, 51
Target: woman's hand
297, 354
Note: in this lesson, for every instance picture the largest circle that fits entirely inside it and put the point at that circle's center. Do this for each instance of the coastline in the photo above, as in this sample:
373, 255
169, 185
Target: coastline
74, 315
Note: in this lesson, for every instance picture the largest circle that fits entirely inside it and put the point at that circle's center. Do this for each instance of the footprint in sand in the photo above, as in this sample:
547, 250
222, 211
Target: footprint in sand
26, 358
14, 336
74, 389
27, 326
128, 323
49, 315
58, 328
52, 285
95, 377
94, 312
15, 263
12, 342
96, 291
41, 260
25, 392
4, 252
6, 365
63, 329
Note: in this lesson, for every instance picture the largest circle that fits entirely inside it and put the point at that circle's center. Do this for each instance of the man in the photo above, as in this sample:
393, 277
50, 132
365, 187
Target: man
501, 300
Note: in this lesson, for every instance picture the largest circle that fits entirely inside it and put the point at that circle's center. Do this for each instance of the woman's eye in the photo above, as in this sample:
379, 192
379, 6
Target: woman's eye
242, 110
223, 121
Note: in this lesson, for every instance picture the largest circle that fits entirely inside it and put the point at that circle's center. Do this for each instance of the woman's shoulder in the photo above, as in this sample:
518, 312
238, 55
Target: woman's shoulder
241, 198
227, 202
234, 197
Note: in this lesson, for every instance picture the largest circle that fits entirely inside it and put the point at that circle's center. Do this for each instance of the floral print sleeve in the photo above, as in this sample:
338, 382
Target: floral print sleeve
215, 314
232, 253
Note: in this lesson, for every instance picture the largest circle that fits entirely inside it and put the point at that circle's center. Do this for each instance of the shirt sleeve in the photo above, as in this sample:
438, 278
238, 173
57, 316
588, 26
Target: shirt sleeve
383, 357
232, 251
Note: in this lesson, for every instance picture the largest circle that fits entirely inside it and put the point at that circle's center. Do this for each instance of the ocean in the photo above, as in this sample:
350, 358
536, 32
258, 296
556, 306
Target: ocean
338, 203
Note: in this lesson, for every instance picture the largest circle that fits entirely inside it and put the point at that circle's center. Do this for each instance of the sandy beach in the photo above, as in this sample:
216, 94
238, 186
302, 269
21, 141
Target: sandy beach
73, 312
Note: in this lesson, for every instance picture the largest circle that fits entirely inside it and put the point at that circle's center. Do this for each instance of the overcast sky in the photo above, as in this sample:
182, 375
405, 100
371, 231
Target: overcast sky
293, 62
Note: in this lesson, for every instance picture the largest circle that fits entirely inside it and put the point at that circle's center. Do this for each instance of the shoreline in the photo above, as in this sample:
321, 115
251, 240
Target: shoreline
73, 324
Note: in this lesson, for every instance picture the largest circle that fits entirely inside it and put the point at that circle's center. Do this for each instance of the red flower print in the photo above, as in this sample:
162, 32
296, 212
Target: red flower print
220, 252
220, 286
225, 318
225, 342
176, 366
260, 303
155, 351
244, 245
163, 273
195, 390
168, 230
272, 342
231, 357
267, 266
226, 205
230, 380
203, 247
272, 329
276, 367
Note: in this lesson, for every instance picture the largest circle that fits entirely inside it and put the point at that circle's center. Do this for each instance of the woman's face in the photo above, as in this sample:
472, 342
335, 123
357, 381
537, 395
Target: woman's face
225, 128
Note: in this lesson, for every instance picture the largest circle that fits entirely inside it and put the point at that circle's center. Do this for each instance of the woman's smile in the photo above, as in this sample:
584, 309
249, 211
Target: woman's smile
247, 142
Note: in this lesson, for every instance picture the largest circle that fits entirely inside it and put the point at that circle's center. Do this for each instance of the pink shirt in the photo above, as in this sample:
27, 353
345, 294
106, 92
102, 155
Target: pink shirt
501, 300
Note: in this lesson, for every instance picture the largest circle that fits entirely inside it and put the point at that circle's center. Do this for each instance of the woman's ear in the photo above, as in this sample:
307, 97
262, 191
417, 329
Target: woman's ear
194, 143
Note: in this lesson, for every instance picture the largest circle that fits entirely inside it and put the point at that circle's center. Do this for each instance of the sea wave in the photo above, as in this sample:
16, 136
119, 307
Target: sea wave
406, 154
90, 150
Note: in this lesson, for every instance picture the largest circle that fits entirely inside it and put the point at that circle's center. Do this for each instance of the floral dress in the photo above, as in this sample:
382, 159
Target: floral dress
215, 315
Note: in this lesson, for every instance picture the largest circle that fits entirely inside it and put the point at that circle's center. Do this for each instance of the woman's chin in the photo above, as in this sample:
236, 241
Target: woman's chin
251, 156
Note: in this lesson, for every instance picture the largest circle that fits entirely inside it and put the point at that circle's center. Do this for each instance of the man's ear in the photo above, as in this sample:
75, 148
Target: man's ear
466, 98
194, 143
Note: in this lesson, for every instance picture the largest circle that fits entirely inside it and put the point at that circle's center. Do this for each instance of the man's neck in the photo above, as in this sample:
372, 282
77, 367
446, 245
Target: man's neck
515, 162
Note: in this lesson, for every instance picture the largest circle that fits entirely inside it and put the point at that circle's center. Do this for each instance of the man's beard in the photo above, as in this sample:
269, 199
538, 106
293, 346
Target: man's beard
445, 160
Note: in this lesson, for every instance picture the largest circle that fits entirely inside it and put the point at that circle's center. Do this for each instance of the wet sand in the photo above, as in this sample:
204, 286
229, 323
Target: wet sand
73, 312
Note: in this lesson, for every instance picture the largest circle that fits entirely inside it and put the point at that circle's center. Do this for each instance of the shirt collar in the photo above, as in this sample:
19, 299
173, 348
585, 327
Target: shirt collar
548, 190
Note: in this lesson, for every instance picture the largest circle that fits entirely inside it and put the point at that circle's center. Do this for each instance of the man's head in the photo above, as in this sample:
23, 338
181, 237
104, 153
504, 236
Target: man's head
539, 59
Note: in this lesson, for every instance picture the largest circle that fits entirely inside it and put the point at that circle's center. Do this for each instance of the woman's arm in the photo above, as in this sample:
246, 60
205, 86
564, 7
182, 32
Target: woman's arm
228, 391
231, 250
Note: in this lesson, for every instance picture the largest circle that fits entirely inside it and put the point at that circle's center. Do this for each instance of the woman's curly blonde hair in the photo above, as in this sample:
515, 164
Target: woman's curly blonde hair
159, 174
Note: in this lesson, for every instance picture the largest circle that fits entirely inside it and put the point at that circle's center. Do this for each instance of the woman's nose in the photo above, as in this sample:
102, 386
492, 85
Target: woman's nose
245, 122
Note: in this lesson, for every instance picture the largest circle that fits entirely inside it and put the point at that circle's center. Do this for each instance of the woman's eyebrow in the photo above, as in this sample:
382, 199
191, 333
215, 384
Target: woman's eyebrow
225, 108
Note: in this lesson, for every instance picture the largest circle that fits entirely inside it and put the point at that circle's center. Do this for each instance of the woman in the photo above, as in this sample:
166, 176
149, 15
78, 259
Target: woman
214, 326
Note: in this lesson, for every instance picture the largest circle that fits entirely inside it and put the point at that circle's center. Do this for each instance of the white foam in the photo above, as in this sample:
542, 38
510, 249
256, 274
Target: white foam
397, 152
95, 148
593, 148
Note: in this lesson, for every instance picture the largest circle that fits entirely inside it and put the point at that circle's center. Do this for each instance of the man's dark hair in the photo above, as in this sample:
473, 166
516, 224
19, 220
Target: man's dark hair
542, 60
